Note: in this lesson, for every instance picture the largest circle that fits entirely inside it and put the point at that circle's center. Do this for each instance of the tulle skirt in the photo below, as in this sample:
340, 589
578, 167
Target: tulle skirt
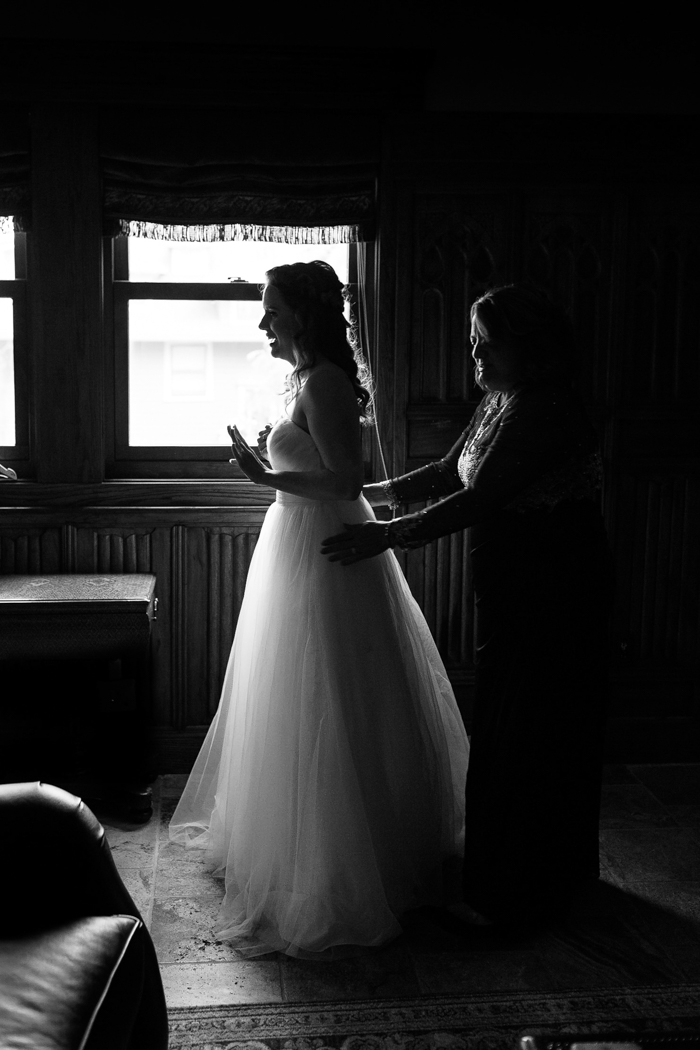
329, 789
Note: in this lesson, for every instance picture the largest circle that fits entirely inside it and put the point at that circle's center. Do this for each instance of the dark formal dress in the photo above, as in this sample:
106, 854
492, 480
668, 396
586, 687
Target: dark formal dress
524, 478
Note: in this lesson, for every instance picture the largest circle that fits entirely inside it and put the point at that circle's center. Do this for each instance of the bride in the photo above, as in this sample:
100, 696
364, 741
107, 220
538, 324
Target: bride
328, 792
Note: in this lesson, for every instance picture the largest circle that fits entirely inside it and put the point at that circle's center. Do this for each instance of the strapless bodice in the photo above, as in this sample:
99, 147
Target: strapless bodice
289, 447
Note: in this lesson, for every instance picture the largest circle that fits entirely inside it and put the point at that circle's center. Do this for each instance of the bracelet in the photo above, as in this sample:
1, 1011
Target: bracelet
390, 493
405, 532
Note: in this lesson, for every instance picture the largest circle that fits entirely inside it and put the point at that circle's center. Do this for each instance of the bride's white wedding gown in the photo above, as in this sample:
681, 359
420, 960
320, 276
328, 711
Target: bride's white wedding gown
329, 789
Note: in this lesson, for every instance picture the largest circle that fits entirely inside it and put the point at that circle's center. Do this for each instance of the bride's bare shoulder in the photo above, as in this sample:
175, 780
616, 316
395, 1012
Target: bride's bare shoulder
327, 392
327, 377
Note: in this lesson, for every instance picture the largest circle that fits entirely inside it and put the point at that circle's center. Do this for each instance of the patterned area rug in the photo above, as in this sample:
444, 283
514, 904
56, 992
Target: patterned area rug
483, 1022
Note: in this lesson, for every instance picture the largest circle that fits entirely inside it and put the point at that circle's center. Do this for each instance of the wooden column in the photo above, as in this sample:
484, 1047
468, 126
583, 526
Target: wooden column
65, 281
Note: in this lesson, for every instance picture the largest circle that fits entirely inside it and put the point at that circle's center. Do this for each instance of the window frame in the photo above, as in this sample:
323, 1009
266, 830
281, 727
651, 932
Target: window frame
18, 456
161, 462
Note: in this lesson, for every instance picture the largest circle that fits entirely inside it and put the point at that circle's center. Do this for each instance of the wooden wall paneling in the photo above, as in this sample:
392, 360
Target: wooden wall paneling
458, 642
160, 543
655, 481
438, 575
219, 570
230, 552
461, 249
178, 628
657, 564
197, 624
26, 551
689, 572
655, 711
396, 324
212, 566
661, 363
110, 549
568, 249
445, 596
665, 642
69, 548
420, 572
459, 639
447, 571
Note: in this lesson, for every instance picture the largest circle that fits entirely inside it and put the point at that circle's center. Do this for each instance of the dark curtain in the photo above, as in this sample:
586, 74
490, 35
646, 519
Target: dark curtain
14, 164
223, 173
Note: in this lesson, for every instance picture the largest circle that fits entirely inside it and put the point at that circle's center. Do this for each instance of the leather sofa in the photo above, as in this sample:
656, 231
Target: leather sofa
78, 970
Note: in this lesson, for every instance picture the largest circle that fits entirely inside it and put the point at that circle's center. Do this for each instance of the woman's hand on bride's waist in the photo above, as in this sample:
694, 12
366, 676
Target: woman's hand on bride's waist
358, 542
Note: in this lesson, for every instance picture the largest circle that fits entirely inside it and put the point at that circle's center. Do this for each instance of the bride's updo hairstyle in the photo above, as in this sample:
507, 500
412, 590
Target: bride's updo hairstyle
317, 297
524, 317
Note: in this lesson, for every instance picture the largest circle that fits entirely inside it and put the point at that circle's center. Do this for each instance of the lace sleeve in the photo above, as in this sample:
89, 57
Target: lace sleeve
449, 515
433, 480
436, 479
531, 454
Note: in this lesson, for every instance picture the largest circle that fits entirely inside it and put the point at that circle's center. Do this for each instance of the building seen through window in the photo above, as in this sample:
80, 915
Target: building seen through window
195, 364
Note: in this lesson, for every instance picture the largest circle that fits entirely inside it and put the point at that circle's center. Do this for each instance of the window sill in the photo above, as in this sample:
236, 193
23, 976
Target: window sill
170, 493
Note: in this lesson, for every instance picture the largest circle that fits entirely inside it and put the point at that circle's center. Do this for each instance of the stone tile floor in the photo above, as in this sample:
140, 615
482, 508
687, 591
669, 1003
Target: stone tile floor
640, 925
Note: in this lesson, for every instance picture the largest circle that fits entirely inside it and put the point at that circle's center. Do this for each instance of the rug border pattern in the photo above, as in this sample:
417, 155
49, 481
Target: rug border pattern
608, 1008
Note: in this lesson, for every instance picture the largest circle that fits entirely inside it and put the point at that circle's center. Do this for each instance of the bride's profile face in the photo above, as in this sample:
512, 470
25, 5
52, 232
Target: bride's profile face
279, 323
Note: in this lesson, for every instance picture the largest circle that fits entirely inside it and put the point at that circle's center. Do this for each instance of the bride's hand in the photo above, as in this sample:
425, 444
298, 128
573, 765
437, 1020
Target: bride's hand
365, 540
247, 459
262, 442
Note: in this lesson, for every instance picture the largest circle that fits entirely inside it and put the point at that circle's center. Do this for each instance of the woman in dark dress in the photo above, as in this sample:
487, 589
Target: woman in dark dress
524, 479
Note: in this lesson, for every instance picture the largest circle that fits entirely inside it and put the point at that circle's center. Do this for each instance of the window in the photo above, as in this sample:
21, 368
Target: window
189, 357
14, 426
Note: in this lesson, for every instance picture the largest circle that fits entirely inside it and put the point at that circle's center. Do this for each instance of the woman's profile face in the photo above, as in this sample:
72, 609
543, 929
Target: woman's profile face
279, 323
498, 366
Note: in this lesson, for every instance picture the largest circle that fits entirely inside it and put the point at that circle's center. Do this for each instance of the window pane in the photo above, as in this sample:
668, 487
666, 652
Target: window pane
7, 375
7, 253
223, 261
196, 366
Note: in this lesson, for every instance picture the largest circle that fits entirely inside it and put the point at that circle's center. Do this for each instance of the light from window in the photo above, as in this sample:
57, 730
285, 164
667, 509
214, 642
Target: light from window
214, 261
7, 375
189, 371
198, 365
7, 253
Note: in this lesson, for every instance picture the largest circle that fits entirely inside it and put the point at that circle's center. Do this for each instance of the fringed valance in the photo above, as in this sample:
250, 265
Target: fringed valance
239, 232
217, 174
